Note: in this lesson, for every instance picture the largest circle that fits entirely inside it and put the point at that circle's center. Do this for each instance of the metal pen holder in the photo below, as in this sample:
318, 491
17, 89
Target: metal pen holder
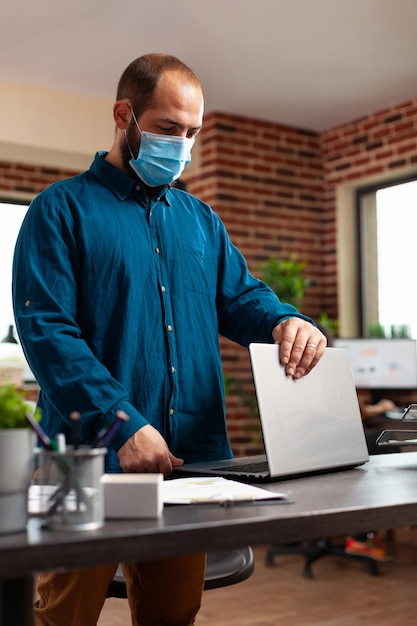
70, 489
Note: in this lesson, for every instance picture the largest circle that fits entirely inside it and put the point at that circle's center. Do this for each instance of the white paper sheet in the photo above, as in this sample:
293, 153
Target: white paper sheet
202, 489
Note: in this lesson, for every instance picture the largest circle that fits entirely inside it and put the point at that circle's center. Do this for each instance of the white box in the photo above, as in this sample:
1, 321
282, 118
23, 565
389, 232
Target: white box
130, 496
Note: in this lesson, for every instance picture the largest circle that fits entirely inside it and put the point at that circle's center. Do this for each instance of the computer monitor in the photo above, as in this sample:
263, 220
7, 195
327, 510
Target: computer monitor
382, 363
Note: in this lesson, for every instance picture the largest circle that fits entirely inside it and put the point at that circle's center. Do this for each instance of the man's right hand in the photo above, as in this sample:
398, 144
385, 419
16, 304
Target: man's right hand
147, 451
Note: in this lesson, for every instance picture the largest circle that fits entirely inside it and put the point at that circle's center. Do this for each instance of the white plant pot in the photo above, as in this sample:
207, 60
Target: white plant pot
16, 472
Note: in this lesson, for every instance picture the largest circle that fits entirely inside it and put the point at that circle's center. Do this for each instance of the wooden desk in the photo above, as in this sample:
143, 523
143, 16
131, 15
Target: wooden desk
378, 495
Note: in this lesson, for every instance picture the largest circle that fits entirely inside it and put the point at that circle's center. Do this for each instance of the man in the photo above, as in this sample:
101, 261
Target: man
121, 286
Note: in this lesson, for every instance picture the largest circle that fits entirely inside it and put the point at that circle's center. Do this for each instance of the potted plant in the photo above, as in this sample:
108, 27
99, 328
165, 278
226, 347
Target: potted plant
17, 443
285, 277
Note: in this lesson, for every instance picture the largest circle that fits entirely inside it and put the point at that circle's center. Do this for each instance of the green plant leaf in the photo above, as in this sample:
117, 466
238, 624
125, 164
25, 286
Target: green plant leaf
13, 407
285, 277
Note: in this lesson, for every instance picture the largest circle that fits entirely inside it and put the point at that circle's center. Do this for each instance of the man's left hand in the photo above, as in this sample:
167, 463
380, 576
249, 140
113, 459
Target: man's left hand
301, 346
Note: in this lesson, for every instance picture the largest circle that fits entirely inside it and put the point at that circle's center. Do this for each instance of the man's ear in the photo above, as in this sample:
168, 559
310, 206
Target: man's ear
122, 114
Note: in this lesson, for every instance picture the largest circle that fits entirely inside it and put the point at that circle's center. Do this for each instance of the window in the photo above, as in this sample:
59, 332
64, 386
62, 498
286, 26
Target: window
11, 217
387, 220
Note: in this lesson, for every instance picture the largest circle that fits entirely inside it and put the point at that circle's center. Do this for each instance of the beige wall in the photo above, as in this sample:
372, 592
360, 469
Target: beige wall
52, 128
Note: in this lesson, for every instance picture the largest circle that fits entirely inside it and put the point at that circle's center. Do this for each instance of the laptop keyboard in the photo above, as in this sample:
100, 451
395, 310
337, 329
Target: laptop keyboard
246, 468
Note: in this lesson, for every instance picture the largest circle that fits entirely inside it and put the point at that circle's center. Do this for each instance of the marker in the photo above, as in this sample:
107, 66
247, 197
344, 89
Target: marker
61, 443
107, 433
75, 416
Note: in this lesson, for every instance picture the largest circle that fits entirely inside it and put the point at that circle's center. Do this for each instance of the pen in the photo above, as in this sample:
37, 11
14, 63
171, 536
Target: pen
48, 443
107, 433
229, 503
233, 503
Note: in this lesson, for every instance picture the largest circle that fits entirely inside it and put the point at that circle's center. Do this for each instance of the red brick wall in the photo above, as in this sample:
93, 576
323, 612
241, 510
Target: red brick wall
18, 180
274, 188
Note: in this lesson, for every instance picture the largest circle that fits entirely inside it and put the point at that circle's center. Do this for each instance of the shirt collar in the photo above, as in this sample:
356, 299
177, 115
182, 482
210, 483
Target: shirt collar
115, 179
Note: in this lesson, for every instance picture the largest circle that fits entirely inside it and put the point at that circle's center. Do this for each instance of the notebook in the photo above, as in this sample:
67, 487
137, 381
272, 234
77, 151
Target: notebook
311, 425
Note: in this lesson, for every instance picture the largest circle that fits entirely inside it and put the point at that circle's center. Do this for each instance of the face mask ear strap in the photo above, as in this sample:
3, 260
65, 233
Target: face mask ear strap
128, 144
135, 120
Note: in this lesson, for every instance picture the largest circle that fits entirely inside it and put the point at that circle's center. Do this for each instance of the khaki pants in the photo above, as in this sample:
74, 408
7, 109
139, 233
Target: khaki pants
161, 593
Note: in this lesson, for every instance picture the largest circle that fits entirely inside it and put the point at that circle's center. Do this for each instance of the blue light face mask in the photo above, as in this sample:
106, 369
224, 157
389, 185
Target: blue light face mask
161, 158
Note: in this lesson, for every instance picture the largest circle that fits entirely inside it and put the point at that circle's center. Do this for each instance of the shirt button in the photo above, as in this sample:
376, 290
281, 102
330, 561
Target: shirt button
157, 250
163, 288
172, 369
171, 411
27, 303
137, 187
169, 328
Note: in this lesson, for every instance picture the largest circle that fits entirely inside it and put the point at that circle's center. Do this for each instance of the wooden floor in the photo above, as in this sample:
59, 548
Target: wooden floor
342, 593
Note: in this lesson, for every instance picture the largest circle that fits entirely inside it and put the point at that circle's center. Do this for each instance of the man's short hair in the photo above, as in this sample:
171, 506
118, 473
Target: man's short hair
139, 80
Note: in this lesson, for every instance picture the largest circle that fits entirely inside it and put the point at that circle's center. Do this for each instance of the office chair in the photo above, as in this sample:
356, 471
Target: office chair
313, 550
223, 568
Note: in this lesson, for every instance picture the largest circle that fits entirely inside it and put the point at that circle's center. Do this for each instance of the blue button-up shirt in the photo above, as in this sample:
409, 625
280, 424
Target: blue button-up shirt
119, 301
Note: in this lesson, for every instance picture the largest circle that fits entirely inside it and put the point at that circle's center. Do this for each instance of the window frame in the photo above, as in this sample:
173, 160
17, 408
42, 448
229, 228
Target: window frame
360, 195
4, 199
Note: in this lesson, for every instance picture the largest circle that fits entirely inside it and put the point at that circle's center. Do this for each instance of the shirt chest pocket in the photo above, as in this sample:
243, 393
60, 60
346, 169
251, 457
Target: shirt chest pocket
197, 267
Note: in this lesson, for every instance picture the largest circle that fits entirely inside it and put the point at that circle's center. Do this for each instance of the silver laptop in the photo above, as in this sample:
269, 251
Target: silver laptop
309, 426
